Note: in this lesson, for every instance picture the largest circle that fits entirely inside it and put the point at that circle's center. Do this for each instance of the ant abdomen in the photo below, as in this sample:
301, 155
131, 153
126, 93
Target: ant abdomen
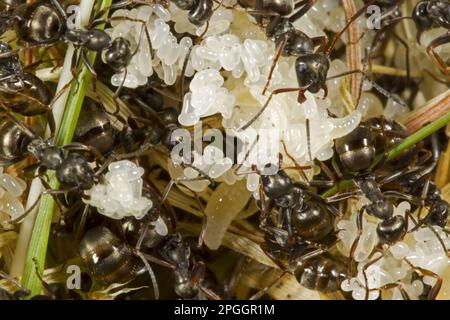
357, 149
30, 87
13, 141
322, 273
312, 221
108, 259
94, 128
391, 230
38, 23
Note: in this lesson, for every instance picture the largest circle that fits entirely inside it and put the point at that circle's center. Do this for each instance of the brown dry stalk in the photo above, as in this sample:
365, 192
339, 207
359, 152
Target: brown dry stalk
354, 60
432, 110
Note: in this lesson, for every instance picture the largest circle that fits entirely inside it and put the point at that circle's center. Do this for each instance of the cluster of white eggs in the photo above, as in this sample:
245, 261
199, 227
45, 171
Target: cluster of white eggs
206, 98
420, 248
168, 54
11, 188
121, 193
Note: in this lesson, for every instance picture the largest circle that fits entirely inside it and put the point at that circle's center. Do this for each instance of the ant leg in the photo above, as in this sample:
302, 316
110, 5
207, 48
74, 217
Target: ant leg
308, 139
233, 280
436, 287
58, 7
334, 40
400, 195
320, 41
61, 92
356, 241
266, 104
204, 220
278, 51
287, 213
197, 275
435, 57
328, 172
408, 68
270, 255
19, 123
26, 213
304, 6
183, 72
342, 196
297, 165
117, 92
23, 292
82, 223
44, 284
158, 261
74, 66
76, 146
91, 69
150, 273
258, 295
364, 272
390, 286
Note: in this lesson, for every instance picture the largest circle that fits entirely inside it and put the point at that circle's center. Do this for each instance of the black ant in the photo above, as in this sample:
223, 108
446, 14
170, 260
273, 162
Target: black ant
44, 23
199, 10
24, 93
303, 218
415, 180
72, 170
356, 153
311, 66
111, 260
189, 273
427, 14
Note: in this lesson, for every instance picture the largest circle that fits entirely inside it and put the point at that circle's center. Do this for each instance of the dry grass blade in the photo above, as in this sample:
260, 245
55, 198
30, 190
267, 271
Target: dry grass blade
432, 110
354, 61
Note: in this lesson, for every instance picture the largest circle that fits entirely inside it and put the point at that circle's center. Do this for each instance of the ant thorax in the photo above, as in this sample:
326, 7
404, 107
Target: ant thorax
36, 147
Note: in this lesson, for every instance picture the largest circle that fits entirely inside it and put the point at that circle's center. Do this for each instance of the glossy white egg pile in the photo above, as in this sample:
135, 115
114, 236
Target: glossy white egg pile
121, 193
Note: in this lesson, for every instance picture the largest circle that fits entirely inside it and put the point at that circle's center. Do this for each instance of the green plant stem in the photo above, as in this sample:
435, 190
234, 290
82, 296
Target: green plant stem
37, 248
397, 150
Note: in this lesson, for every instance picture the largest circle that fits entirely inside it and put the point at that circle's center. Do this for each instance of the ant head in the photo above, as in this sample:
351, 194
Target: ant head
438, 214
176, 250
75, 171
311, 70
169, 115
51, 157
382, 209
282, 7
421, 18
439, 12
118, 55
278, 187
169, 138
391, 230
